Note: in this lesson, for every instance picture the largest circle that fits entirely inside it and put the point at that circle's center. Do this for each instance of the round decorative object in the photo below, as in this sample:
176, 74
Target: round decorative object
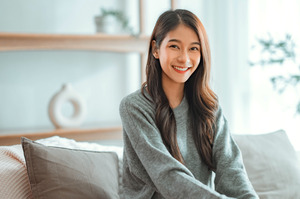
66, 94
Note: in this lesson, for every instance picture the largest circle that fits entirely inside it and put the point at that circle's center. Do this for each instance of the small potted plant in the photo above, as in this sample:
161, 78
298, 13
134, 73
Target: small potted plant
112, 22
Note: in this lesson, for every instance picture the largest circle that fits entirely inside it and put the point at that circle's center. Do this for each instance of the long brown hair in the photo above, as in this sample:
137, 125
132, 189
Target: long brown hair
202, 100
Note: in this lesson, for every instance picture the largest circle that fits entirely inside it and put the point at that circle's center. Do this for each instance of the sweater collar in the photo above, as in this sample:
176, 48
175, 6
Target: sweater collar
181, 108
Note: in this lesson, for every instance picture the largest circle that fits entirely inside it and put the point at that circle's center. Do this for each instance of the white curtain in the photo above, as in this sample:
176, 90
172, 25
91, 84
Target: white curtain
249, 101
227, 25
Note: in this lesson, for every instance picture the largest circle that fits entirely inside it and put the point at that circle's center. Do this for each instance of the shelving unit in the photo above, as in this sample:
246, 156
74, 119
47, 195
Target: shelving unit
79, 134
95, 42
10, 42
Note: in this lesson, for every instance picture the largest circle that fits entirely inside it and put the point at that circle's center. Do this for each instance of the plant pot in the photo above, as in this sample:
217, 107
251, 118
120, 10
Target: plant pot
108, 25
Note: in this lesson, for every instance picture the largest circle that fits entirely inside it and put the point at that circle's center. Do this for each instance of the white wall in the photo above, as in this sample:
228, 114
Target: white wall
55, 16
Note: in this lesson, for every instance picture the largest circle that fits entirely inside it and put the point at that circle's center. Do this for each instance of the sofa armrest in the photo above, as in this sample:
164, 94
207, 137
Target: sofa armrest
271, 163
14, 181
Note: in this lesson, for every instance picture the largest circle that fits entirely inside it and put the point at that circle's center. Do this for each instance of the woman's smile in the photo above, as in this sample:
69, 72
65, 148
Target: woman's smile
180, 69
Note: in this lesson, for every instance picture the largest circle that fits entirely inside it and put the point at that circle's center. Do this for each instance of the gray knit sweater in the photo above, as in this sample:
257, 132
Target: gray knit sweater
149, 170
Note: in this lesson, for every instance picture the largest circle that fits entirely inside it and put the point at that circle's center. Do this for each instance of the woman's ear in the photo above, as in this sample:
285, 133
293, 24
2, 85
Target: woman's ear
154, 49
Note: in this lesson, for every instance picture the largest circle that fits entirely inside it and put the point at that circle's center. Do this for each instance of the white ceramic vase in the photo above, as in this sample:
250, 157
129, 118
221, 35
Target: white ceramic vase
66, 94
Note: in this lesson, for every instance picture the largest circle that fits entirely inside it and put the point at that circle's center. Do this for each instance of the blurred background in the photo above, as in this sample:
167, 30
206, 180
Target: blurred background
255, 61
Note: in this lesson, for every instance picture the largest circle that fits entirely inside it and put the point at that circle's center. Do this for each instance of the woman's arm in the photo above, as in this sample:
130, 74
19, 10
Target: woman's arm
165, 174
231, 177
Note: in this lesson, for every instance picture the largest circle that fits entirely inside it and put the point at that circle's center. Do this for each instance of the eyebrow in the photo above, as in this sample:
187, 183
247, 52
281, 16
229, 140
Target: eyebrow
176, 40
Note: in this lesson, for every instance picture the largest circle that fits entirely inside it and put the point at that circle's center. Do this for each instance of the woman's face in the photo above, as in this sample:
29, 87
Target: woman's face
179, 55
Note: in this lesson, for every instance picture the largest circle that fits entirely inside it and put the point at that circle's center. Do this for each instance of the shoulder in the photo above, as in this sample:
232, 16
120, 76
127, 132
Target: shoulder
133, 97
136, 101
221, 126
219, 116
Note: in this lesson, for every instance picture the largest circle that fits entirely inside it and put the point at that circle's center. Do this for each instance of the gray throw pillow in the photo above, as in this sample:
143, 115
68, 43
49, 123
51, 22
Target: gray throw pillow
271, 163
70, 173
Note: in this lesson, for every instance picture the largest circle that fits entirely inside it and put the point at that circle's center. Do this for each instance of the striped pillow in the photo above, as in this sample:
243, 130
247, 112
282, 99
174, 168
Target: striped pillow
14, 180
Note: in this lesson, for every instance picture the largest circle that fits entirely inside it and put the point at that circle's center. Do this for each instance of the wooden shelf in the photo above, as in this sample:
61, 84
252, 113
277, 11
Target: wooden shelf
79, 134
97, 42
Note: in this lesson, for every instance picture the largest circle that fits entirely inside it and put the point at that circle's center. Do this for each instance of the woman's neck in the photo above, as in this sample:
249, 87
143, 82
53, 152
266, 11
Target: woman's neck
174, 93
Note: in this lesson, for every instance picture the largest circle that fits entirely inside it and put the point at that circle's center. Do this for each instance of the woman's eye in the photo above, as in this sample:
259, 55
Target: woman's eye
174, 46
194, 49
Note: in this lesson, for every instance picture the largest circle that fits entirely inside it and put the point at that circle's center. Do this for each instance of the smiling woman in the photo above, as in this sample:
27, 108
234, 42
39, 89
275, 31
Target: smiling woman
175, 134
179, 56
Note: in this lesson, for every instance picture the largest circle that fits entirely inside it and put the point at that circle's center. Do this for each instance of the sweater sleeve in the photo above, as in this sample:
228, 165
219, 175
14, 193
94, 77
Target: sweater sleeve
166, 175
231, 178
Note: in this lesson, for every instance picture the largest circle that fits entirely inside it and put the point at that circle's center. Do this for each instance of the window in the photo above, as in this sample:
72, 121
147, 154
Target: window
270, 110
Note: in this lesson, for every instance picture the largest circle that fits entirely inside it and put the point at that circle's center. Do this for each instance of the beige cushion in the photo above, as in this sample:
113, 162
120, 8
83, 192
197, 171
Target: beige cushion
271, 164
70, 173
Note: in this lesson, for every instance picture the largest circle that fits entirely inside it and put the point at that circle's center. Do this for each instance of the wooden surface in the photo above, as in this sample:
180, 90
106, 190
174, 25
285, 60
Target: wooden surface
98, 42
173, 4
106, 133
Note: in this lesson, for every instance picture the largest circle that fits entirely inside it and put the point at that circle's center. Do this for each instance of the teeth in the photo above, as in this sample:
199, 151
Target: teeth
179, 68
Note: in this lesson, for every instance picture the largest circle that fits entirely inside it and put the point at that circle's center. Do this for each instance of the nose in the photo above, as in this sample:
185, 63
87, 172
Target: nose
184, 58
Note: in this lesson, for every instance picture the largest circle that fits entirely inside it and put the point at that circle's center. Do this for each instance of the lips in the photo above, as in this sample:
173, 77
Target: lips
180, 69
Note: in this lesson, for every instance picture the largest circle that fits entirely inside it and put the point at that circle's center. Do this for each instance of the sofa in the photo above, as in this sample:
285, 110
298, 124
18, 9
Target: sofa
57, 167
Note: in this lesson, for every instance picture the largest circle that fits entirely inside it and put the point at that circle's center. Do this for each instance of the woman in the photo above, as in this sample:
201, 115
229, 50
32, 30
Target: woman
175, 136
